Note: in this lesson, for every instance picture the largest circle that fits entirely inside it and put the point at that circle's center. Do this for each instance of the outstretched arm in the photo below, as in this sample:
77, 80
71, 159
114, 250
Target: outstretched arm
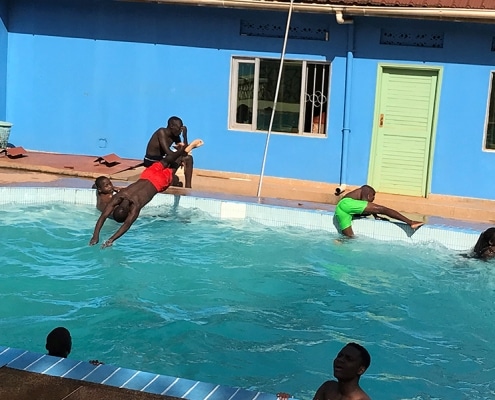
103, 217
131, 217
184, 135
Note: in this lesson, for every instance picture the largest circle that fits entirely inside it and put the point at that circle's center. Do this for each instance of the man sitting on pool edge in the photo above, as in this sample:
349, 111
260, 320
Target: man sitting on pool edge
126, 205
360, 202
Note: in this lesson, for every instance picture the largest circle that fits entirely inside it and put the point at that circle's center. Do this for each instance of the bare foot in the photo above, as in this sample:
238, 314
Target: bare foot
195, 143
415, 225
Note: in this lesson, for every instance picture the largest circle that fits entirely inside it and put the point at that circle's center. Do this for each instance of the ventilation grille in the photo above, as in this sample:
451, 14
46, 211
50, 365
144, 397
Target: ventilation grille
249, 28
407, 38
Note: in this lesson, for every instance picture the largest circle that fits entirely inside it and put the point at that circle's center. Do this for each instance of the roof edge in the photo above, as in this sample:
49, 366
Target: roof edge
450, 14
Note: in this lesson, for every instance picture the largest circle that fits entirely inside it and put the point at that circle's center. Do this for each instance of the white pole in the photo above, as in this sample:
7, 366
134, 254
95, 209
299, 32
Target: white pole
276, 97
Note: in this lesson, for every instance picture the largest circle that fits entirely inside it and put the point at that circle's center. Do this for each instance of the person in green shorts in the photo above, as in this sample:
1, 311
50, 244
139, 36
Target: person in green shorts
360, 202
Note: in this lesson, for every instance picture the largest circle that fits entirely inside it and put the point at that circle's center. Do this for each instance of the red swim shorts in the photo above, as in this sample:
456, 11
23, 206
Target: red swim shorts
158, 175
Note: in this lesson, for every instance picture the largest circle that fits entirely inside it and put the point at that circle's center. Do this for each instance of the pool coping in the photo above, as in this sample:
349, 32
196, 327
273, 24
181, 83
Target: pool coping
123, 378
453, 234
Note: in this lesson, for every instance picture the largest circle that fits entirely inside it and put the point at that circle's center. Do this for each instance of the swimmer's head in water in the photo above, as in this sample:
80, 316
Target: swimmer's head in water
351, 362
489, 235
483, 247
59, 342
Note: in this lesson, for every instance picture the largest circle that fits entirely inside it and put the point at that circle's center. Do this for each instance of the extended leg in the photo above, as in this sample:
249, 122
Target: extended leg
188, 170
188, 161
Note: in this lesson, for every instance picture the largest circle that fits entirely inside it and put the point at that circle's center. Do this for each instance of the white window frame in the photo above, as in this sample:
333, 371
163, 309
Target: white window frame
322, 124
491, 98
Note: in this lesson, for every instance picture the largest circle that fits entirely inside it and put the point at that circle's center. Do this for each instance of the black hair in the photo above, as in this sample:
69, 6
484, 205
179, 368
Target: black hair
365, 356
120, 213
173, 120
59, 342
99, 181
483, 243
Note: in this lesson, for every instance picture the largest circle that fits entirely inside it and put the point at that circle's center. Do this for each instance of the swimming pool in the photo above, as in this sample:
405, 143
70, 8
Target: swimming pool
236, 302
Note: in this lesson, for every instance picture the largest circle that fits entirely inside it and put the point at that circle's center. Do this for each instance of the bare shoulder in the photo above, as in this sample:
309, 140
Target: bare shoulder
162, 131
158, 132
363, 396
327, 391
330, 391
122, 194
359, 394
355, 194
165, 134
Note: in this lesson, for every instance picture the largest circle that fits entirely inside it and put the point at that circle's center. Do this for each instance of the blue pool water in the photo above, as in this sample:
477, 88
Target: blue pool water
237, 303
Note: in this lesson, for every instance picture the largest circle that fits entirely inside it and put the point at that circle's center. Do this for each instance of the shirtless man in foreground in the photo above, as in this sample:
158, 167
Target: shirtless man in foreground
126, 205
351, 362
360, 202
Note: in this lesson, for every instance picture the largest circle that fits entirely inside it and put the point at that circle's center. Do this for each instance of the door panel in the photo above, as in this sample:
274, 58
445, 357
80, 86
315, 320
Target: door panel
402, 133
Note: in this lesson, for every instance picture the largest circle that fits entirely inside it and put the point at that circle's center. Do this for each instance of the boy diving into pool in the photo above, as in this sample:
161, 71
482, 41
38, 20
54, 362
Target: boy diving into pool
360, 202
126, 205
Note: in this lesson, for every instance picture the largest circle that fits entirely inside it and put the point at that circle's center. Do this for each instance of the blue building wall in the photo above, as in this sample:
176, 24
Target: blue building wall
467, 61
94, 78
106, 86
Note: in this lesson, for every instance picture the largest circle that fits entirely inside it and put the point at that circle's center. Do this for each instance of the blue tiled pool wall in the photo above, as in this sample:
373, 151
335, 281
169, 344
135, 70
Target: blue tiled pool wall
452, 237
123, 378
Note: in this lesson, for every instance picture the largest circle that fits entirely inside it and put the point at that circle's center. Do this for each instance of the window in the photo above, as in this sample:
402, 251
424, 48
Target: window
490, 125
302, 101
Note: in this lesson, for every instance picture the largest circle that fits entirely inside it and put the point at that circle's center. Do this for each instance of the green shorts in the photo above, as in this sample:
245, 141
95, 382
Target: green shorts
346, 208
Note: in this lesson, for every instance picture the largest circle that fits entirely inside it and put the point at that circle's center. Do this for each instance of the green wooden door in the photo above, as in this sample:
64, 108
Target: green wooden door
403, 130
